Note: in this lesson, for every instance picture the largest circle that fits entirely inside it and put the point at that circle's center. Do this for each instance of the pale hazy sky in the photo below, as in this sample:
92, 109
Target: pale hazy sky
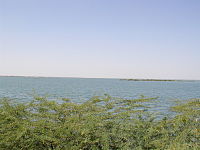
100, 38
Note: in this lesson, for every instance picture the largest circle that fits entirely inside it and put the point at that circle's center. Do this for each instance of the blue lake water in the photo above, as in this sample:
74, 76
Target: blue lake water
81, 89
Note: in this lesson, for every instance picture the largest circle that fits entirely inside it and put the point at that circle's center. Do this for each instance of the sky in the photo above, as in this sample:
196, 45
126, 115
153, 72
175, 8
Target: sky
100, 38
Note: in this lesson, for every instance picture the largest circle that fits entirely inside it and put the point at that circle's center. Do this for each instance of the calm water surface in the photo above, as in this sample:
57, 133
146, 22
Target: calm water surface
81, 89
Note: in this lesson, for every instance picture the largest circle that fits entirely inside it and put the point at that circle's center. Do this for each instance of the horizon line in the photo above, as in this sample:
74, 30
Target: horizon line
34, 76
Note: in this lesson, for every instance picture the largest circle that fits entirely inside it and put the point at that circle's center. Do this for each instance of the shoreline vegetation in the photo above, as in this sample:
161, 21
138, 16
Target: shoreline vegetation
101, 123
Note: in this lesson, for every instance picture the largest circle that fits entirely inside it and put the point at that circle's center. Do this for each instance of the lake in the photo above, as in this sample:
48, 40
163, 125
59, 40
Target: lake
81, 89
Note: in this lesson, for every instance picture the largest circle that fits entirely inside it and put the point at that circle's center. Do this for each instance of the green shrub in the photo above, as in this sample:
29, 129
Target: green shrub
100, 123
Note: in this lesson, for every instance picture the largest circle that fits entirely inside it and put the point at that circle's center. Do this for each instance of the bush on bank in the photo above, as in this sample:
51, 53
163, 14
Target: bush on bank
101, 123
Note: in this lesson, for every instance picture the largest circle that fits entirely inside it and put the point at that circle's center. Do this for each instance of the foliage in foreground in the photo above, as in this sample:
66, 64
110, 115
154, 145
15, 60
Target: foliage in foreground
100, 123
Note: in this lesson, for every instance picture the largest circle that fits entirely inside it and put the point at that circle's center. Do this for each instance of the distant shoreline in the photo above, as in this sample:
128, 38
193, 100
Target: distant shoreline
169, 80
166, 80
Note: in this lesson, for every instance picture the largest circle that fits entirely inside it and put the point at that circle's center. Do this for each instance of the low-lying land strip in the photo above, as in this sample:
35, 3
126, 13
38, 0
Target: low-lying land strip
153, 80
